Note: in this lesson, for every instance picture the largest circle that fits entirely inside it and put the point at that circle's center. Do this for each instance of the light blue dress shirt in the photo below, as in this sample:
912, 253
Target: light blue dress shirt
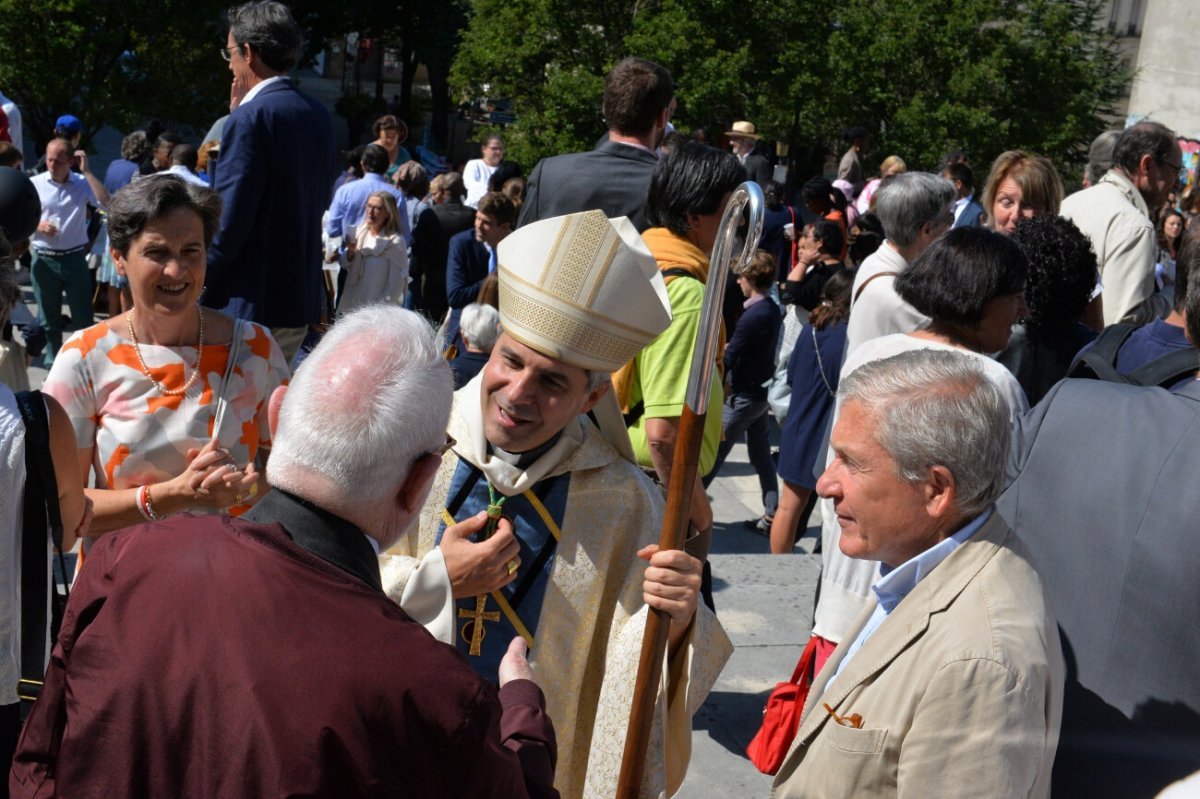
895, 584
350, 205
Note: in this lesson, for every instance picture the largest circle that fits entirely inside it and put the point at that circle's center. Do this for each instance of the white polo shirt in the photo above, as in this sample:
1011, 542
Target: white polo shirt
68, 201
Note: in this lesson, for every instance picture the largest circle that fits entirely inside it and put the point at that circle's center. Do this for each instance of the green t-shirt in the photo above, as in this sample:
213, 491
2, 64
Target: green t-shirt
662, 375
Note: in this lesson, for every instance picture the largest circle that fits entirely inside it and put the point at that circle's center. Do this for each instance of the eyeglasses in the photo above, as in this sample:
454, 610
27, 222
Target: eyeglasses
227, 52
440, 451
1174, 167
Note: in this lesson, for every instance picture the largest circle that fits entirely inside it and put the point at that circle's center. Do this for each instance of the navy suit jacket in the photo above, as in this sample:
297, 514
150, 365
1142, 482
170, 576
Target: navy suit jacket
613, 178
466, 268
273, 175
970, 217
1104, 498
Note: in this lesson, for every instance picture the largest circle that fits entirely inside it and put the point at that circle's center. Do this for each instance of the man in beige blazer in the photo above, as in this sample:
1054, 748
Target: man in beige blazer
951, 682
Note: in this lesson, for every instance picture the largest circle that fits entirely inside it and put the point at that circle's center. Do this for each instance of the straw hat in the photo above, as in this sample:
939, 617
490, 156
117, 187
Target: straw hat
743, 130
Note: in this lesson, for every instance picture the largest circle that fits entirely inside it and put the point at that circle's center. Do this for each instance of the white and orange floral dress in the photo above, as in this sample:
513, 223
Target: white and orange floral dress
142, 436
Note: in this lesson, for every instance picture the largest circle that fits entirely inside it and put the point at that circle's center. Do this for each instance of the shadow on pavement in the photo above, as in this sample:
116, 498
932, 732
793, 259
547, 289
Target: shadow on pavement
731, 719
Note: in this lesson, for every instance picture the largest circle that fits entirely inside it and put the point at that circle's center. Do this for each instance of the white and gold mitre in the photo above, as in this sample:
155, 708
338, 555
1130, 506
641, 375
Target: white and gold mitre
582, 289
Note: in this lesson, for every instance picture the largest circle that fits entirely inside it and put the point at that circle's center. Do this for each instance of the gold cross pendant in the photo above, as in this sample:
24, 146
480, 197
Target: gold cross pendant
477, 618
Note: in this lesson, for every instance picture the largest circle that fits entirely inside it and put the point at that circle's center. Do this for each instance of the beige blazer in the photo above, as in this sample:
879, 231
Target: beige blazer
960, 689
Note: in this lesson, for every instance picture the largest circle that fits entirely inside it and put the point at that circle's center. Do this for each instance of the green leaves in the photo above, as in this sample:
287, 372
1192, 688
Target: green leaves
112, 62
927, 76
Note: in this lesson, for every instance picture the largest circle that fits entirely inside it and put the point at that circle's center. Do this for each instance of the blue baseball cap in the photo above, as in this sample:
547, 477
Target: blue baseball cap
69, 124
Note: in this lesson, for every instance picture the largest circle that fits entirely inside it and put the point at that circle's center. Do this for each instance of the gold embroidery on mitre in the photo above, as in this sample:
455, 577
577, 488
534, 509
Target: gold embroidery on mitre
567, 333
587, 233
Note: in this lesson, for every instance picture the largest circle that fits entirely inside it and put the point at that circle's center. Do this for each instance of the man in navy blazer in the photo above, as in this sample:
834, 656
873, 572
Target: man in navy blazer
638, 99
473, 254
1104, 498
273, 176
967, 212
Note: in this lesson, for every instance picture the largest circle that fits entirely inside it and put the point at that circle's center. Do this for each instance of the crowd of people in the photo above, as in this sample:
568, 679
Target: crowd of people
368, 472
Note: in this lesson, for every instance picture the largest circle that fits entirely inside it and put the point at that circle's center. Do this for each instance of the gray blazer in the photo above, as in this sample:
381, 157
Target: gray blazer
612, 178
1106, 498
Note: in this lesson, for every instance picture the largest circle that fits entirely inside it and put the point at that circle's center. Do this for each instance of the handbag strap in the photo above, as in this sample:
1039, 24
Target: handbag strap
40, 512
804, 667
235, 348
868, 281
795, 236
820, 364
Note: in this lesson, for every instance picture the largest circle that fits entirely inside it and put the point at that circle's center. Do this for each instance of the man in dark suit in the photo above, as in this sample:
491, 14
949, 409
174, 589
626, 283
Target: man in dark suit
612, 178
273, 177
447, 191
967, 212
1104, 498
744, 138
473, 254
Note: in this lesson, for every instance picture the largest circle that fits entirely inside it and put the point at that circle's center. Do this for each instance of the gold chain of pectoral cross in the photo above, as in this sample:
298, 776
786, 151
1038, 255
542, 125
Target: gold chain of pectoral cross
477, 617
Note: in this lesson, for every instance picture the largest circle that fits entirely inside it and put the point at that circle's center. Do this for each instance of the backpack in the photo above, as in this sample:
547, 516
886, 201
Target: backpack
1099, 362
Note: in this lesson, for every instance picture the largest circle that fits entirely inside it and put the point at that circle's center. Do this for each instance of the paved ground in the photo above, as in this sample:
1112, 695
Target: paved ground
765, 603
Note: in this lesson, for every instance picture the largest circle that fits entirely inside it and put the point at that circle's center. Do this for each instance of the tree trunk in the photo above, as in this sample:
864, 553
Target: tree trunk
408, 72
378, 73
439, 87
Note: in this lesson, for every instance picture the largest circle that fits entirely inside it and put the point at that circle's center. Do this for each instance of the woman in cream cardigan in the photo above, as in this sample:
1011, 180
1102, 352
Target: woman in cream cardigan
378, 268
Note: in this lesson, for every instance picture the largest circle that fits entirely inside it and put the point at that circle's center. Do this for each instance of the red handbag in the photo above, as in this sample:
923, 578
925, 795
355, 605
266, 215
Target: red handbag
781, 716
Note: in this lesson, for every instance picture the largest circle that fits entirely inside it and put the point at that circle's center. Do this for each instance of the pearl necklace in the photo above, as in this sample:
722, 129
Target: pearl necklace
169, 392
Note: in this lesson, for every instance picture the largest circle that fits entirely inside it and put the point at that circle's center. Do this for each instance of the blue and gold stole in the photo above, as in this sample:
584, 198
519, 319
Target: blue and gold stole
487, 623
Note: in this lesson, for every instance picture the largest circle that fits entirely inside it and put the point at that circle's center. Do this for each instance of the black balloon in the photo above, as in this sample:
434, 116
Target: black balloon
20, 208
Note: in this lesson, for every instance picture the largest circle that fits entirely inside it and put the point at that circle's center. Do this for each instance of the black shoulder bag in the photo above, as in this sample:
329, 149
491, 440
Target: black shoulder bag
41, 513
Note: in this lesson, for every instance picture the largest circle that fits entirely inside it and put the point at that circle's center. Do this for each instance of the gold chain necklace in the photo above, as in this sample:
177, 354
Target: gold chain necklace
169, 392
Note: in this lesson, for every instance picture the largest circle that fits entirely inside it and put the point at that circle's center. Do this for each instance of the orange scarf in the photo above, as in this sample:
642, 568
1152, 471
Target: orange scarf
671, 252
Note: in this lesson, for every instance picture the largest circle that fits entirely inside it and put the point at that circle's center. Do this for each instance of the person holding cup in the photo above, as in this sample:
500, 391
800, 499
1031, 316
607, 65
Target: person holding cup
59, 246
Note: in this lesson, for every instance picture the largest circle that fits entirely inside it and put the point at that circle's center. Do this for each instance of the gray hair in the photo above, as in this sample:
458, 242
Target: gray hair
153, 197
371, 398
271, 30
596, 379
908, 201
1145, 138
135, 146
937, 409
1100, 155
480, 325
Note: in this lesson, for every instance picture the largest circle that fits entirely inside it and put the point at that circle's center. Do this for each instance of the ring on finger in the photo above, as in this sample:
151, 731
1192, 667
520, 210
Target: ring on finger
512, 566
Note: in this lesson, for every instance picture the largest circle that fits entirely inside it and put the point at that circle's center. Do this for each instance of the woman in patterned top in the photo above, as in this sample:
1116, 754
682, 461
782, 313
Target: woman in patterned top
169, 400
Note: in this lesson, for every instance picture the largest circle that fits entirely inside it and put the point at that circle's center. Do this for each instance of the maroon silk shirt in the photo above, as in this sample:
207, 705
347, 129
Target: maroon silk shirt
208, 656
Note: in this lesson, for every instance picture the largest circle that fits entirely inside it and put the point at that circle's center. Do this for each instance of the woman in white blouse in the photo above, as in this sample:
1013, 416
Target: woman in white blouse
378, 270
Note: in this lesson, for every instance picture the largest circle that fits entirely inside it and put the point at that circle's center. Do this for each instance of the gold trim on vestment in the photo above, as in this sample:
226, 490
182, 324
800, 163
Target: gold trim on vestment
498, 595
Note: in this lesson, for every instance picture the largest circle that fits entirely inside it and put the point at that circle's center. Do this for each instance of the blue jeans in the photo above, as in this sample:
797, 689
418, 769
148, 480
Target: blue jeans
52, 275
742, 414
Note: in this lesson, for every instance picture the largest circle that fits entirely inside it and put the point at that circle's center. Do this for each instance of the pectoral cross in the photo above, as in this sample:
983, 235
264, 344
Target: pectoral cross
477, 618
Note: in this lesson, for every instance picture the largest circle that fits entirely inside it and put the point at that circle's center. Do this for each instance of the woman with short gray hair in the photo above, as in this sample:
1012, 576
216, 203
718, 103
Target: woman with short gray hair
169, 400
479, 327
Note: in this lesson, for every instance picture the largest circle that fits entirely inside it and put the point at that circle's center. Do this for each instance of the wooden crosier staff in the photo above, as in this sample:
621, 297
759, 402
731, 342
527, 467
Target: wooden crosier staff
684, 464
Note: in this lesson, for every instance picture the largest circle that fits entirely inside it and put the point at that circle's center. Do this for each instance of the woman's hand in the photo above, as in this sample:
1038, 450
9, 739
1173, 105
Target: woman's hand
211, 480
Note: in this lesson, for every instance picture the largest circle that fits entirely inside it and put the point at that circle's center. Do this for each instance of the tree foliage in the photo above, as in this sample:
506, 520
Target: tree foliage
113, 61
926, 75
974, 75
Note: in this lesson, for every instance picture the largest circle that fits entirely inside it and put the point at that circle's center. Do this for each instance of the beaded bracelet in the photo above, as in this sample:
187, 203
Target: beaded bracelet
145, 505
